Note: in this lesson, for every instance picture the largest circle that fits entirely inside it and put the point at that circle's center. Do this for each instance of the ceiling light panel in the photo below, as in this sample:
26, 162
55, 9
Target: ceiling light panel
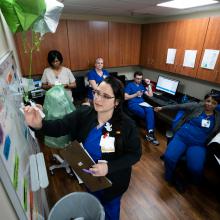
183, 4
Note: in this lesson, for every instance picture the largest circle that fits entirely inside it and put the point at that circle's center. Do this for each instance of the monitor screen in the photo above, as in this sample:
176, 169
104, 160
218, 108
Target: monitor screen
167, 85
37, 83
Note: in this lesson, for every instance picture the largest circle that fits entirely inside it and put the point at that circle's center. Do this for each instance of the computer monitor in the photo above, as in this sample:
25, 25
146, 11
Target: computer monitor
167, 85
37, 83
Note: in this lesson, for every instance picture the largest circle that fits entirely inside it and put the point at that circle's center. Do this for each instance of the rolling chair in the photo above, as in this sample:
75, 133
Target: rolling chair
80, 92
60, 164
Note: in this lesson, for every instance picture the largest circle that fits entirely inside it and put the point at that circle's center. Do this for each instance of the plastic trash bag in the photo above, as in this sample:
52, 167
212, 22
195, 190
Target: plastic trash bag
57, 103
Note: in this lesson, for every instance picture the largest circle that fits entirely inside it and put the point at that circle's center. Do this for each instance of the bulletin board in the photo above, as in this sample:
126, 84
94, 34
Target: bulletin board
17, 143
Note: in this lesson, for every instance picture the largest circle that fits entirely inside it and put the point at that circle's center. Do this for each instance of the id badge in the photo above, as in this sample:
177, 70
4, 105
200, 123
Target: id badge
205, 123
107, 144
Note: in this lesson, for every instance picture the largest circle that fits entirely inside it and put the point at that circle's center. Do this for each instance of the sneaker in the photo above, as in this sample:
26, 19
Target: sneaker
151, 138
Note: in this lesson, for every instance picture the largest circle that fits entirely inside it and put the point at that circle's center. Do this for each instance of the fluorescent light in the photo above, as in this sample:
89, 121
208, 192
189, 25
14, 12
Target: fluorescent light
183, 4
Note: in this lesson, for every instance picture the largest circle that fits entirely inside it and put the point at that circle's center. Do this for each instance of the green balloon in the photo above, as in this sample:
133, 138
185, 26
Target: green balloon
21, 14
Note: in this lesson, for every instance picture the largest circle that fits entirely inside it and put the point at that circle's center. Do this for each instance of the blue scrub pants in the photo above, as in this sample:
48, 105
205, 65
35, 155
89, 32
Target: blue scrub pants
147, 113
112, 208
195, 158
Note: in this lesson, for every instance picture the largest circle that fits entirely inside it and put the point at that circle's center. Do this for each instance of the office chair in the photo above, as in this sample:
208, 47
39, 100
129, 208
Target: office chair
62, 164
80, 92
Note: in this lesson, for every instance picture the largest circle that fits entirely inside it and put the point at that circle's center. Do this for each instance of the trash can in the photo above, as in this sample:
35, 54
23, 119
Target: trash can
77, 205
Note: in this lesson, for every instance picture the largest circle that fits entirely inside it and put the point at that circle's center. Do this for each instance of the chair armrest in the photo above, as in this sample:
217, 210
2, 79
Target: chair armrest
216, 139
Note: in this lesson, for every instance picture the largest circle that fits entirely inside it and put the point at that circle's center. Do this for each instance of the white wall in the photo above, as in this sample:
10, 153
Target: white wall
8, 40
193, 87
190, 86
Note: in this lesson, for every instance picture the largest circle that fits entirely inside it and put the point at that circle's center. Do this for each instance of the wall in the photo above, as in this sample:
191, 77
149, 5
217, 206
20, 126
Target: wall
139, 20
127, 71
3, 44
193, 87
130, 19
186, 16
9, 40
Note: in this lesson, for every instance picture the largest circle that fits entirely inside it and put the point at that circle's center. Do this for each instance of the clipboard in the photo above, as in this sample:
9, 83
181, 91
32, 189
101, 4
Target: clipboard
79, 159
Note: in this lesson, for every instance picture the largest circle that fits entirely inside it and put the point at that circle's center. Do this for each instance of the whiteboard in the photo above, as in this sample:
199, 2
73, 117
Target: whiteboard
16, 145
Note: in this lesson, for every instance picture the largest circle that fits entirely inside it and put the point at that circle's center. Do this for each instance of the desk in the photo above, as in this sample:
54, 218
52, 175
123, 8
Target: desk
165, 116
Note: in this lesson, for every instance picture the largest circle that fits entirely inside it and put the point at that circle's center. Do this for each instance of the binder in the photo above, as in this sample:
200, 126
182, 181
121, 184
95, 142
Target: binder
79, 159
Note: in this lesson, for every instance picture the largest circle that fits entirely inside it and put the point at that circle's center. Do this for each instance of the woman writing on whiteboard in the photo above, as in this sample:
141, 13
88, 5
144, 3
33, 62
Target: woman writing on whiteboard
106, 133
57, 74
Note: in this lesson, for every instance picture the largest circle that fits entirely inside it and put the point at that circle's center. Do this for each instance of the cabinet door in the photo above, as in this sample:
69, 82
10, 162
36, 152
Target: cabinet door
146, 45
155, 42
88, 40
78, 37
124, 44
170, 37
131, 41
98, 41
212, 41
57, 41
191, 37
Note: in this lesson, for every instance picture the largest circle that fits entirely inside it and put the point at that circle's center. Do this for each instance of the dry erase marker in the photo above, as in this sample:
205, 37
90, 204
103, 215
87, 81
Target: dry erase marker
87, 171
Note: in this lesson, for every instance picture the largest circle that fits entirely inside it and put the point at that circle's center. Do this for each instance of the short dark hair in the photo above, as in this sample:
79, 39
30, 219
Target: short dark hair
139, 73
52, 55
215, 96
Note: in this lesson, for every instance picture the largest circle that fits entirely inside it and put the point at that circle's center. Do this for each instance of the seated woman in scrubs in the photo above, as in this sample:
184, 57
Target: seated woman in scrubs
194, 130
94, 127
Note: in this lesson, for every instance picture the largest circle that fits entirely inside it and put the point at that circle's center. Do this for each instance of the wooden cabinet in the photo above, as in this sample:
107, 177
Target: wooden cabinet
191, 37
56, 41
87, 41
156, 39
182, 35
148, 43
124, 44
212, 41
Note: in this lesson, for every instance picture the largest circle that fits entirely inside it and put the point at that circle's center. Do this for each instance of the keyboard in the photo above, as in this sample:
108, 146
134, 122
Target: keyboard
163, 101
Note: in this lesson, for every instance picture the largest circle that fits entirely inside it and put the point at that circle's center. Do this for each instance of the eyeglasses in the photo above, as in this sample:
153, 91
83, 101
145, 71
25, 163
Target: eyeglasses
97, 93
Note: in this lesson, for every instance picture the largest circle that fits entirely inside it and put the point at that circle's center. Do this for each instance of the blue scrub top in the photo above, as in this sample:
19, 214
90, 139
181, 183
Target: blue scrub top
132, 88
92, 143
193, 131
93, 75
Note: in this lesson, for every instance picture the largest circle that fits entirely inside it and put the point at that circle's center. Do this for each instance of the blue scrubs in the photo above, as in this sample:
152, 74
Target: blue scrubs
146, 113
93, 75
189, 139
92, 145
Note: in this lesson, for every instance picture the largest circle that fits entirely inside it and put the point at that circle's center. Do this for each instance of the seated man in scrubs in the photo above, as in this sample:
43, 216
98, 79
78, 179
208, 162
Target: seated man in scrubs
134, 94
